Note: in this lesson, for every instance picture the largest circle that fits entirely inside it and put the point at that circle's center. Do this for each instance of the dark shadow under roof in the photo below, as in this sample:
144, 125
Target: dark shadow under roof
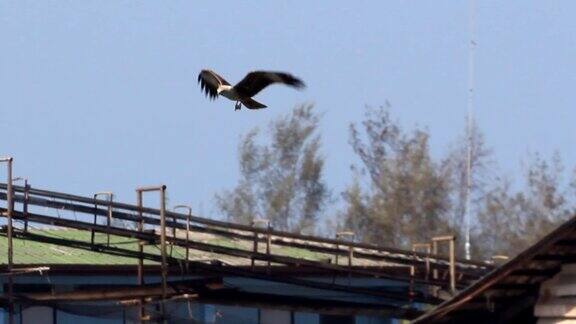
508, 293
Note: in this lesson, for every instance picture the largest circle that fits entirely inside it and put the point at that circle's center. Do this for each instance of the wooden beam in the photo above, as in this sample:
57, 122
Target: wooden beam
120, 292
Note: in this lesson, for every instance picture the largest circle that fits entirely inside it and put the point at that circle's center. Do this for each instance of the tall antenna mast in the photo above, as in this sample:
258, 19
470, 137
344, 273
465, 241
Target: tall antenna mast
469, 130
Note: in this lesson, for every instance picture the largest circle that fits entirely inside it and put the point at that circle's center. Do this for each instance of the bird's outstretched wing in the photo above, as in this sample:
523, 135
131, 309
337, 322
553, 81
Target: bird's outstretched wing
255, 81
209, 83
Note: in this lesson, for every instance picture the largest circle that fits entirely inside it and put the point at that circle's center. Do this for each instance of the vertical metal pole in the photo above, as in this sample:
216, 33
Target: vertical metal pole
109, 221
254, 247
257, 237
350, 256
471, 76
142, 310
452, 266
163, 247
337, 247
163, 266
451, 239
9, 209
173, 232
187, 232
435, 253
268, 245
92, 234
163, 239
337, 255
25, 207
427, 275
350, 252
413, 266
428, 247
188, 239
337, 252
412, 274
110, 197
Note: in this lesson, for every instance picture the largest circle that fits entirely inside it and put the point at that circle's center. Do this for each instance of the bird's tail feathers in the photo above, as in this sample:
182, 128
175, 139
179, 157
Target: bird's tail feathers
252, 104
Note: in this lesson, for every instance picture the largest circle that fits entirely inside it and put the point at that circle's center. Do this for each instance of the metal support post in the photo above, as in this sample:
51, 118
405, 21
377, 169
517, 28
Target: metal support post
254, 247
25, 206
110, 197
142, 310
189, 209
435, 253
415, 247
162, 190
427, 248
25, 202
255, 222
175, 221
451, 239
452, 265
269, 244
9, 209
163, 239
340, 235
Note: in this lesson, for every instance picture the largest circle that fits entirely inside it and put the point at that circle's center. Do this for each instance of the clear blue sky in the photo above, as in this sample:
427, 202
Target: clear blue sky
102, 95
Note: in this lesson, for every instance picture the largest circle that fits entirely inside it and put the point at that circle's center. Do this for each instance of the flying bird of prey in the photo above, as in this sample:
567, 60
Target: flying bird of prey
214, 85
